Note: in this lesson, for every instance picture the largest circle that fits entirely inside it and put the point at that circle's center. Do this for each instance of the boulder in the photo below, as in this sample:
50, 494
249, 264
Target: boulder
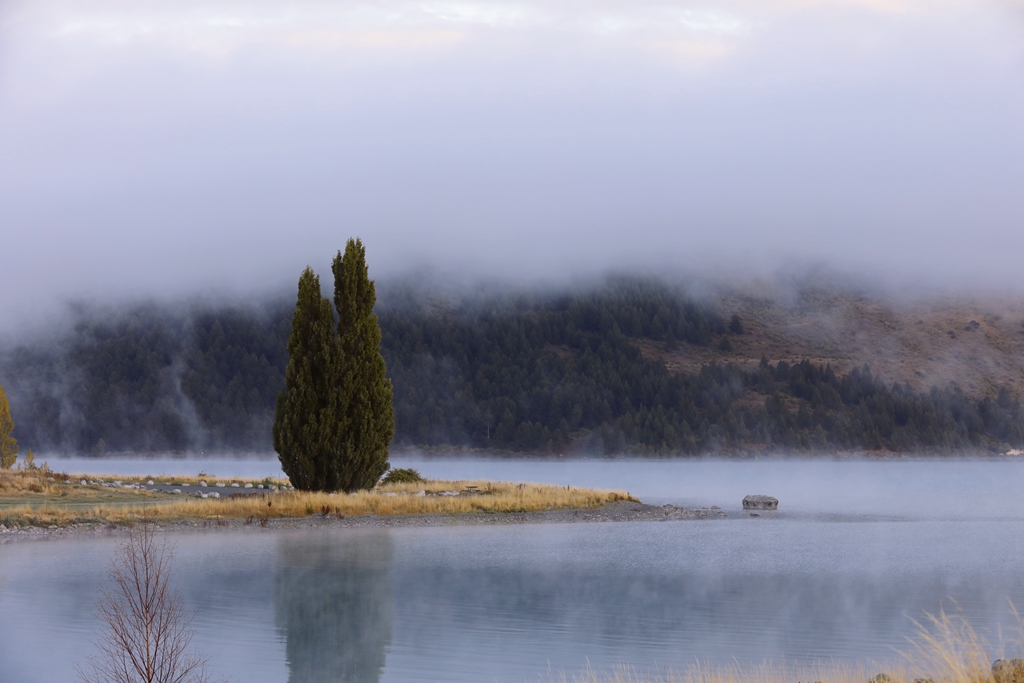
880, 678
1008, 671
760, 503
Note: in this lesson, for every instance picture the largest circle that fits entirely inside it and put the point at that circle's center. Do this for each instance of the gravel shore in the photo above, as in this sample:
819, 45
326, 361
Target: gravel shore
621, 511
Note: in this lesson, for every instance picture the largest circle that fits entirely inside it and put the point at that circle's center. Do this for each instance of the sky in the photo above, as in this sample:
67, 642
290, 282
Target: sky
168, 149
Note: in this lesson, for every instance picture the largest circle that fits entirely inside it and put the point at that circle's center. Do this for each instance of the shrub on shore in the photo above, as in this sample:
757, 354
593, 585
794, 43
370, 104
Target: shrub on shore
402, 476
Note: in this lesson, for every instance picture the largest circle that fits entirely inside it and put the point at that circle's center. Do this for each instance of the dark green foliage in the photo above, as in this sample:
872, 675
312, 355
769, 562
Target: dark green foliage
365, 409
8, 445
525, 374
234, 367
735, 324
402, 476
308, 422
153, 380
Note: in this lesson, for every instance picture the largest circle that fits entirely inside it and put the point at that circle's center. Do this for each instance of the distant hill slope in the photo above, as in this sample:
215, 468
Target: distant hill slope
630, 366
974, 342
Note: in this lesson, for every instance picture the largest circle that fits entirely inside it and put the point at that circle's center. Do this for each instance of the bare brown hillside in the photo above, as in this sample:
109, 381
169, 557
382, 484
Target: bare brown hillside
976, 342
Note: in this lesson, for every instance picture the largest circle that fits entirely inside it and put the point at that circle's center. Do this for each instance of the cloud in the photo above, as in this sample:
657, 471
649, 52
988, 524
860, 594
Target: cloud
169, 148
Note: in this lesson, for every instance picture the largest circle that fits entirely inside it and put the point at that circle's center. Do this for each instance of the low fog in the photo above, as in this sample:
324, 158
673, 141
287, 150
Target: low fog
181, 148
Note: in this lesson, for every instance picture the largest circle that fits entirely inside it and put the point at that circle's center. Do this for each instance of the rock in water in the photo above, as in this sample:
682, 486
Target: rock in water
760, 503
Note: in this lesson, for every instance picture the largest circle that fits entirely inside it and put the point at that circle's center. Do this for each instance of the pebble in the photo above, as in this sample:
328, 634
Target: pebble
85, 483
176, 491
235, 486
202, 483
249, 486
420, 494
214, 495
150, 483
259, 486
220, 484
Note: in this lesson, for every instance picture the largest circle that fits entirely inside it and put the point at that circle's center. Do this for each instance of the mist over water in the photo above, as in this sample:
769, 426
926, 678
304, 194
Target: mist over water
856, 551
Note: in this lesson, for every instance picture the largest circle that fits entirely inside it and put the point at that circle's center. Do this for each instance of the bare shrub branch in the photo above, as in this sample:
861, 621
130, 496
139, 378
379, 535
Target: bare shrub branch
147, 631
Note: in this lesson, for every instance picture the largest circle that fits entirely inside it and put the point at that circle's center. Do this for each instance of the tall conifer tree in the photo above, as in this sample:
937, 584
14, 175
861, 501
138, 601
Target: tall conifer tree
8, 446
366, 401
334, 420
307, 423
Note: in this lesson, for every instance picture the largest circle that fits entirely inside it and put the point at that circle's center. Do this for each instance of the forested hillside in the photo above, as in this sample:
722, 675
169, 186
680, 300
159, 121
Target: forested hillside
583, 371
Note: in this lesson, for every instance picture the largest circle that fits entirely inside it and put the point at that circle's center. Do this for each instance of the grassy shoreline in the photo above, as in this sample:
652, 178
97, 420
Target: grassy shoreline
41, 498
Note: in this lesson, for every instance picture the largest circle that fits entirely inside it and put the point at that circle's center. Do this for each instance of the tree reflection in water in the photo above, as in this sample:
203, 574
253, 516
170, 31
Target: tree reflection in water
334, 605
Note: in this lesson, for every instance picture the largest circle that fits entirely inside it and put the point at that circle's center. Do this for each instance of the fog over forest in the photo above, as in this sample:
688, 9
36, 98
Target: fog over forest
193, 148
626, 366
168, 169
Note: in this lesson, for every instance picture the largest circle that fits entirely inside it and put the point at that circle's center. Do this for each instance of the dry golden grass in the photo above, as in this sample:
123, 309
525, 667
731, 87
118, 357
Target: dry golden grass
56, 503
945, 649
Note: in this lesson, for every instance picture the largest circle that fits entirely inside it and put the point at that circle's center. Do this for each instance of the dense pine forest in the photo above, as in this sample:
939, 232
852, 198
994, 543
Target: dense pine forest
521, 373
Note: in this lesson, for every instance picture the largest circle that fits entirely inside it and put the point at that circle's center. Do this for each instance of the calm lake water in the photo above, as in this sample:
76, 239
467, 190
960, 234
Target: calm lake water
857, 550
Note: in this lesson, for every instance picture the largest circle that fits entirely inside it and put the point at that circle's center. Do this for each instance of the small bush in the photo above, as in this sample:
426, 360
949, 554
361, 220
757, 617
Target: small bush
402, 476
